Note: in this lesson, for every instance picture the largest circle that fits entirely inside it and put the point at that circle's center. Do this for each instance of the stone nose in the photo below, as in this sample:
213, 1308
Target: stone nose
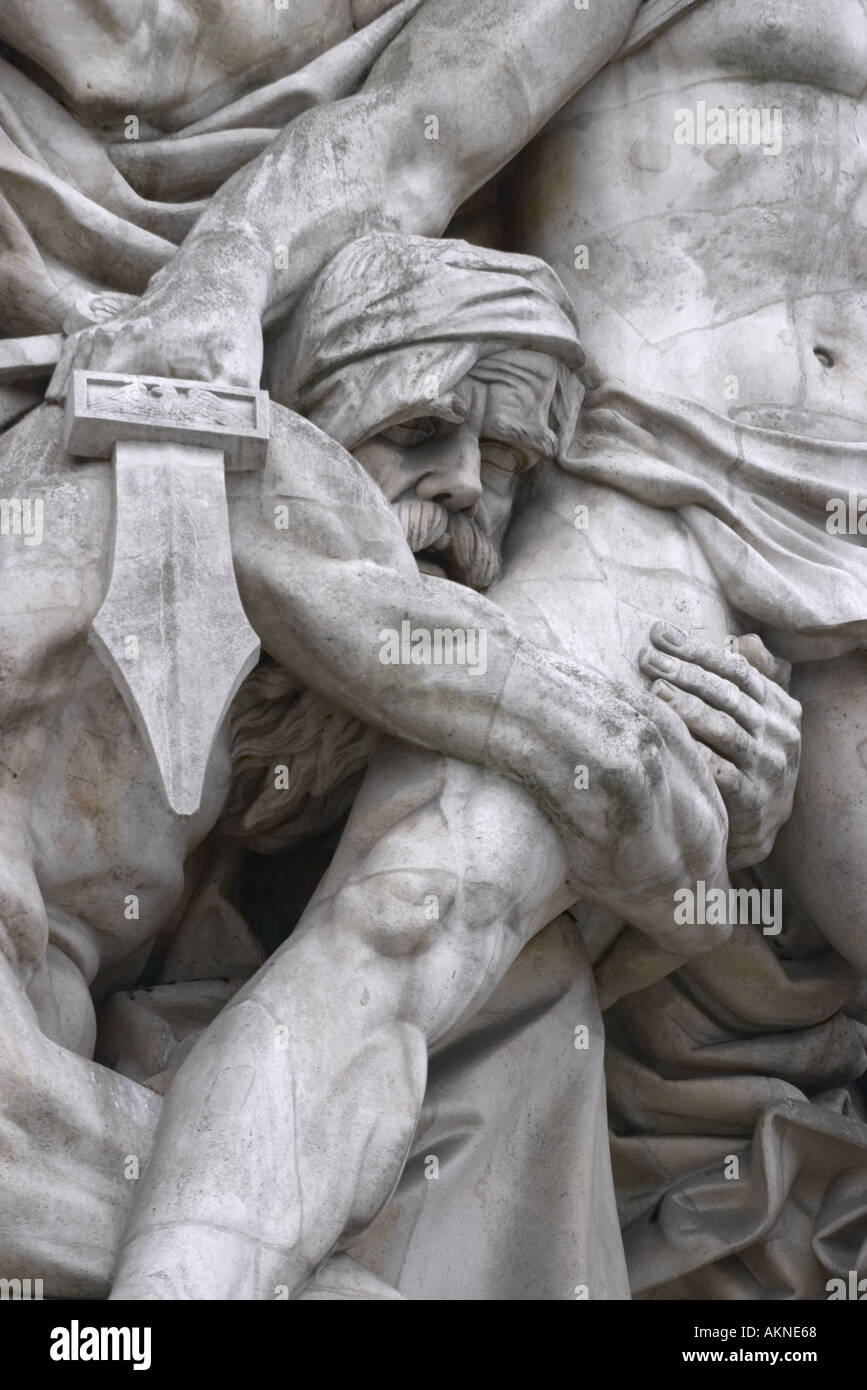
452, 474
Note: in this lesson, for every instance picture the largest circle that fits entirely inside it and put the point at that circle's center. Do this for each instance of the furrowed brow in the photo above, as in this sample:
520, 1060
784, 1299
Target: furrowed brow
500, 431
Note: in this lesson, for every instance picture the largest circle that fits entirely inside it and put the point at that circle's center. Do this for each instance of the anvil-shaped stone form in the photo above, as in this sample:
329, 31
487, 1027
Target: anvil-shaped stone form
171, 629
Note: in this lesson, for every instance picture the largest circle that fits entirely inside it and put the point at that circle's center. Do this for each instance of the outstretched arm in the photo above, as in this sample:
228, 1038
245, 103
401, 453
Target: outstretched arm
366, 163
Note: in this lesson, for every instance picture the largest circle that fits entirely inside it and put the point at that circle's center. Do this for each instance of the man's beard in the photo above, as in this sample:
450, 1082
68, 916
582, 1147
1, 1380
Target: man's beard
450, 541
325, 749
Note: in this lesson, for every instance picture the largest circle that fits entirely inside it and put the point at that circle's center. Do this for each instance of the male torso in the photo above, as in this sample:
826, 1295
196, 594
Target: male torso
708, 262
705, 261
676, 237
732, 276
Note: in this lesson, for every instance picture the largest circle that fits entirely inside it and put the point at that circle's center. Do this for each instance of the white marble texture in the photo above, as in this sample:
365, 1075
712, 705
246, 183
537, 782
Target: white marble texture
420, 996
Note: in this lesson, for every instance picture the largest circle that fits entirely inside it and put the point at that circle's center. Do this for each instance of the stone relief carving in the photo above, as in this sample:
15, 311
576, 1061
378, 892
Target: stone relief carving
158, 401
433, 620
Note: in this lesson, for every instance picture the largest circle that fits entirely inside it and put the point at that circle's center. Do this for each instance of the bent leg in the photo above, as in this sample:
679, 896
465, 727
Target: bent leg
593, 592
821, 852
508, 1192
74, 1138
288, 1126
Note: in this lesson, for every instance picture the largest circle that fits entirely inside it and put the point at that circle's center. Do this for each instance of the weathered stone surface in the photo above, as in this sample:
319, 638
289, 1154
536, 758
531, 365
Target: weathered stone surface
24, 358
171, 628
506, 940
104, 409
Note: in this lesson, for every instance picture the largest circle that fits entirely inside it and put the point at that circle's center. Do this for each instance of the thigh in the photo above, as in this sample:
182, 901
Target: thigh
507, 1192
457, 866
588, 570
52, 561
471, 843
821, 852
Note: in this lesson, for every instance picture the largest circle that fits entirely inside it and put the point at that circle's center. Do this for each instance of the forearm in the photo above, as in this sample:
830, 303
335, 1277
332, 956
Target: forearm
324, 589
369, 162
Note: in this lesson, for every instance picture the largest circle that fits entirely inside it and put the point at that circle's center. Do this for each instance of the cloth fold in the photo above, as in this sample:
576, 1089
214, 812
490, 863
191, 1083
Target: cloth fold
755, 499
393, 324
738, 1133
82, 214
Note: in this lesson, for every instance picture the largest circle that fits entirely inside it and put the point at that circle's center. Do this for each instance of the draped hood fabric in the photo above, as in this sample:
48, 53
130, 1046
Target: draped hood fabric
85, 212
739, 1140
393, 323
755, 499
82, 214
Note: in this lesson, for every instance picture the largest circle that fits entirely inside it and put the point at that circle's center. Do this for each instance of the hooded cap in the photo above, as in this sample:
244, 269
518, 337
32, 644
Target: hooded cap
393, 323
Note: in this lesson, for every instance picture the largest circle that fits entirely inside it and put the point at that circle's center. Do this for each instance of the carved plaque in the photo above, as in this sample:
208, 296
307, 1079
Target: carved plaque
103, 408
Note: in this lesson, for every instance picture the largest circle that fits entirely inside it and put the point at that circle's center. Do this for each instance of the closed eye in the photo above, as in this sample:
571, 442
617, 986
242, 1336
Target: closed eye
413, 431
503, 456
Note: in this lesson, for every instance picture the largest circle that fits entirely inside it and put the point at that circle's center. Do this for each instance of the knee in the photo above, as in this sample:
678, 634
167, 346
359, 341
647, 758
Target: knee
400, 912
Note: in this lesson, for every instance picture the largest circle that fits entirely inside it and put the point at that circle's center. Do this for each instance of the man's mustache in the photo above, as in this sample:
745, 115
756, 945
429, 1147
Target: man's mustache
459, 543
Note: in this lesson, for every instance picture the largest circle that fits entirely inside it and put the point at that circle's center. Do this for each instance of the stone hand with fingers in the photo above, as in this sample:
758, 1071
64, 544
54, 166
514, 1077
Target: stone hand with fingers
736, 705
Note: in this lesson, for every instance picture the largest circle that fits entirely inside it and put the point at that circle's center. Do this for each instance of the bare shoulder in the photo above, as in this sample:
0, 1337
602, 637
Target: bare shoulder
308, 470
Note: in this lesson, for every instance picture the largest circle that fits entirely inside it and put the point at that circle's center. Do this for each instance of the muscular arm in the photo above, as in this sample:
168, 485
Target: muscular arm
492, 76
321, 589
368, 161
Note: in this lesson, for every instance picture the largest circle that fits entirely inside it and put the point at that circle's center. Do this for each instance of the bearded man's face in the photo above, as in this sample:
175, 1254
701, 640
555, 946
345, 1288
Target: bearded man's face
452, 483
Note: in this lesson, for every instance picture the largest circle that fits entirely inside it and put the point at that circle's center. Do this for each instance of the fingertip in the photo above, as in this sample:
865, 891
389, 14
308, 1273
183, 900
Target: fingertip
751, 647
669, 635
